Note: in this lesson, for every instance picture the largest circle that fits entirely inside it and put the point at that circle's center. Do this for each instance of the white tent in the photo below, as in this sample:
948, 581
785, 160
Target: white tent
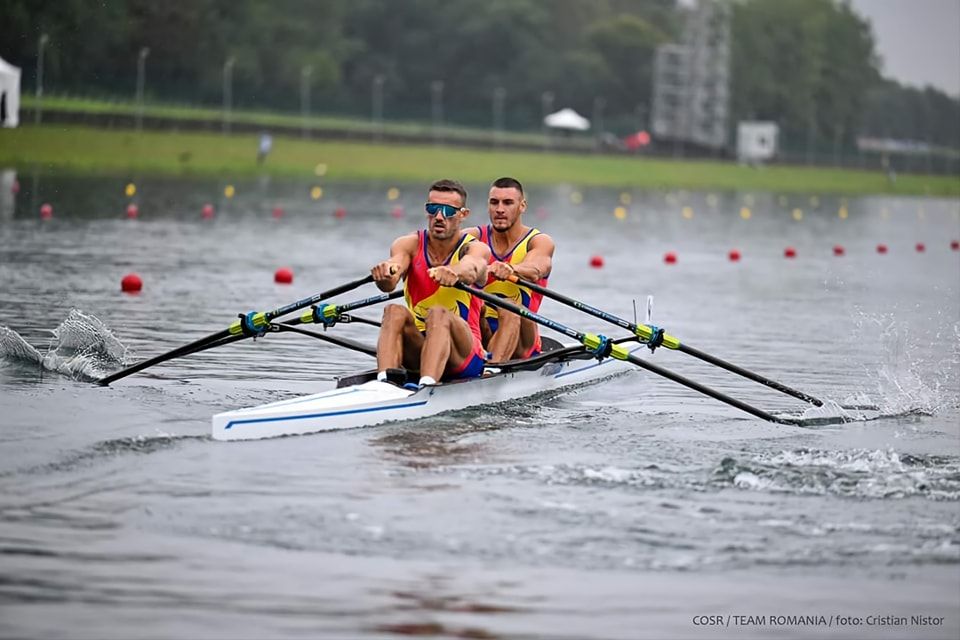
9, 94
567, 119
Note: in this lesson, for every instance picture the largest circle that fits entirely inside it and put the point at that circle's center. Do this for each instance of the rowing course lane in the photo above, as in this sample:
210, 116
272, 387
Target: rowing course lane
622, 511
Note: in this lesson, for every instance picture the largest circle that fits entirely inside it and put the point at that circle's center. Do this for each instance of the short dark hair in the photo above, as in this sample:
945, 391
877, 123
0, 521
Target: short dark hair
450, 186
508, 183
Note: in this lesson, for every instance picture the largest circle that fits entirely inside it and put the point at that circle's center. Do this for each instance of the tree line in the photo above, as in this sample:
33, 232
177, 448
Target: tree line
810, 65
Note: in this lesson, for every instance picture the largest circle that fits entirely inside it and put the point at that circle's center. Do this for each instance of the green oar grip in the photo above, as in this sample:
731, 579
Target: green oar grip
327, 314
645, 333
257, 321
593, 342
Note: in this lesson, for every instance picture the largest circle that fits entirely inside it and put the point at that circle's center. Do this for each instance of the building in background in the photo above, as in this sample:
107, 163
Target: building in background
757, 141
691, 81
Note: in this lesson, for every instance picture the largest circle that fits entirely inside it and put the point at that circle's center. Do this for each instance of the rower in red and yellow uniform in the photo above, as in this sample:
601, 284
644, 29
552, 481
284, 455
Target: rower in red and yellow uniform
438, 332
515, 250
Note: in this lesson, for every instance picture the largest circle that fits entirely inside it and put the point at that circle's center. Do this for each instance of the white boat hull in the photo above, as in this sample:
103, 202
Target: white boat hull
373, 403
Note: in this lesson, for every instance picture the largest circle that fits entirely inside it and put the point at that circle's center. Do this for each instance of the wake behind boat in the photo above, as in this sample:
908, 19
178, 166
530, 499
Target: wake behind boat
362, 401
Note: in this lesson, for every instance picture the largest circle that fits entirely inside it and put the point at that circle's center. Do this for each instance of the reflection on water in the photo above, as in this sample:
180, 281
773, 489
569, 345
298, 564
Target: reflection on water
629, 505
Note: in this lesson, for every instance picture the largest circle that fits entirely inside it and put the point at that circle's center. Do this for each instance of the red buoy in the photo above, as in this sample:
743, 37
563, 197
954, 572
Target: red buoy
131, 283
838, 250
278, 212
207, 211
881, 248
132, 211
734, 255
340, 212
789, 252
596, 262
46, 211
670, 257
397, 212
283, 275
921, 247
955, 245
15, 187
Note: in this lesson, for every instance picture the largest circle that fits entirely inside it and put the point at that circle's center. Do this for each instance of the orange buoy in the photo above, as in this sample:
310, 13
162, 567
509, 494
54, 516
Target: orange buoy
283, 275
131, 283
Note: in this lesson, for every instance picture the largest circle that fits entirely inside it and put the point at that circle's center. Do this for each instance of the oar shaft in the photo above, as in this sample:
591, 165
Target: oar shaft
623, 354
670, 343
193, 347
750, 375
713, 393
233, 331
333, 311
306, 302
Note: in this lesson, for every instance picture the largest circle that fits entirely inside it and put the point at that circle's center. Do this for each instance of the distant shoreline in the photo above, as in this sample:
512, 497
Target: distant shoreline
76, 149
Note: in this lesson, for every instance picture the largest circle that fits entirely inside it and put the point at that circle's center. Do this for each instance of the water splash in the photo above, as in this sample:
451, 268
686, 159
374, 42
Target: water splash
905, 381
82, 347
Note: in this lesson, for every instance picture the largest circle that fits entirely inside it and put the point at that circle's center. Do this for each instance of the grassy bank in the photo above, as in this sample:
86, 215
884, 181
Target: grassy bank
112, 152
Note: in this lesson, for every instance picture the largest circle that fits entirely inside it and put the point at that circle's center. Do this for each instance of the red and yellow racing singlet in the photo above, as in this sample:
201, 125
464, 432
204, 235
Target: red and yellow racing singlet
504, 288
421, 292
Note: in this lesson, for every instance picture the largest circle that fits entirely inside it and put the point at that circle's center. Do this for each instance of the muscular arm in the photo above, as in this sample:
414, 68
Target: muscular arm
472, 268
536, 264
388, 273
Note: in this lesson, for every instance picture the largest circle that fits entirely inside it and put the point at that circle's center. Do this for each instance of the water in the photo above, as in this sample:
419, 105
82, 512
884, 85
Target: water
622, 511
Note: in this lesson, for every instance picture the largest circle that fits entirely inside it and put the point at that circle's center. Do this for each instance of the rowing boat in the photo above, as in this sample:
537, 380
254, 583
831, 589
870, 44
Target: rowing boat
360, 400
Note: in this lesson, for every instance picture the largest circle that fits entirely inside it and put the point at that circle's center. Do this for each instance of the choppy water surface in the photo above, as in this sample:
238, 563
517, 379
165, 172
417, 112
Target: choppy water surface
621, 511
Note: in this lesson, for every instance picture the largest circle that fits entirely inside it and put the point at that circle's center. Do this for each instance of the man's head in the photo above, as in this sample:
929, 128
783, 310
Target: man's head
446, 207
506, 203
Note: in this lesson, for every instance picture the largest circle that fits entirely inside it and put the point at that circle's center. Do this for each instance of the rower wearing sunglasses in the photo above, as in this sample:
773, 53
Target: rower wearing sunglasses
515, 250
438, 332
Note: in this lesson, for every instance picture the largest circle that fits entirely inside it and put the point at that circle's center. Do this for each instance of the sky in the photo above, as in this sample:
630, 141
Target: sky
918, 40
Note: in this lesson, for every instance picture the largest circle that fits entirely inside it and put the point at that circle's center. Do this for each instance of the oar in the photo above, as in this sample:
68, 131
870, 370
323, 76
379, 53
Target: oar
648, 334
249, 325
332, 313
606, 347
329, 314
